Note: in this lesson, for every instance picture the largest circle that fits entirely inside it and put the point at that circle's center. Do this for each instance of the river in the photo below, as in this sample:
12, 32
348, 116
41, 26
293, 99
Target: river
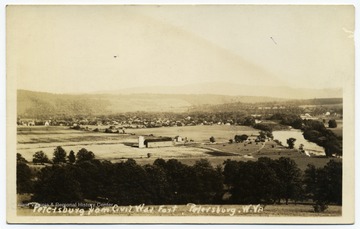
309, 147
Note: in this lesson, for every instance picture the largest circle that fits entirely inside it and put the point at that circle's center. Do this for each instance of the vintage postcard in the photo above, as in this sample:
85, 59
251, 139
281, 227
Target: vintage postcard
180, 114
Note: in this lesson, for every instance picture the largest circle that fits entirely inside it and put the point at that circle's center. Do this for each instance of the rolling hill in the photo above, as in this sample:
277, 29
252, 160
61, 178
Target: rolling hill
39, 104
42, 104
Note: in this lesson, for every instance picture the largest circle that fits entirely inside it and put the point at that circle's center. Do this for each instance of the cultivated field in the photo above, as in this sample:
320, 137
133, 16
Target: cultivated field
120, 147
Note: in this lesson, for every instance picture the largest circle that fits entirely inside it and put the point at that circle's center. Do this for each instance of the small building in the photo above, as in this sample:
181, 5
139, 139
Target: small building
178, 139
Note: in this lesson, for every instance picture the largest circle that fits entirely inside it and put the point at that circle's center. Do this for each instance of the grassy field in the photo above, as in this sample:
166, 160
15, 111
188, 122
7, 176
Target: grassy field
221, 133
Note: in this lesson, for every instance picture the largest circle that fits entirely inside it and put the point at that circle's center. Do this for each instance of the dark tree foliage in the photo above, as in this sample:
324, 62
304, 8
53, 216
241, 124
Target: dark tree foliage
288, 119
212, 139
84, 155
57, 184
231, 169
333, 171
332, 123
71, 157
88, 175
241, 138
59, 155
159, 187
24, 183
248, 121
312, 135
20, 158
314, 125
40, 157
264, 181
291, 142
324, 185
289, 175
130, 184
207, 182
182, 181
255, 182
264, 127
315, 131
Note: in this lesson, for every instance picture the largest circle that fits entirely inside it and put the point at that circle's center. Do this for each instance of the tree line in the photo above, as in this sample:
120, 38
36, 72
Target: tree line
264, 181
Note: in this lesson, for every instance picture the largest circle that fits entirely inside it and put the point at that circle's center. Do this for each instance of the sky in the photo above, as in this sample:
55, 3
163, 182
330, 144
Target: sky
79, 49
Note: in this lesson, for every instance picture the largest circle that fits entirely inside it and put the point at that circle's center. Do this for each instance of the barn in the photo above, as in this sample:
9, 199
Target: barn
155, 142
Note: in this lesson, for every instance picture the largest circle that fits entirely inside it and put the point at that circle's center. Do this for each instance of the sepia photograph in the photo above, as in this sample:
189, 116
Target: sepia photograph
180, 114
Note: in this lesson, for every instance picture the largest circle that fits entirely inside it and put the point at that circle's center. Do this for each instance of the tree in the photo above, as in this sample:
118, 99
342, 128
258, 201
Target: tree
181, 178
84, 155
88, 175
231, 168
241, 138
262, 134
59, 155
207, 182
254, 182
291, 142
248, 121
312, 135
251, 182
297, 123
71, 157
24, 183
332, 147
301, 148
57, 184
40, 157
20, 158
332, 123
289, 176
212, 139
264, 127
130, 184
313, 125
324, 185
159, 187
333, 171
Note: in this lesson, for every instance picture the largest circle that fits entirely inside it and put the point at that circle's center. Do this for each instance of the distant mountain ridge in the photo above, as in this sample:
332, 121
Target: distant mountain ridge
42, 104
234, 89
38, 104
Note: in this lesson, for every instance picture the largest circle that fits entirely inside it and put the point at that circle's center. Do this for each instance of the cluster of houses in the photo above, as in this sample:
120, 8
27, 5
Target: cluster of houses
130, 123
149, 121
32, 122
